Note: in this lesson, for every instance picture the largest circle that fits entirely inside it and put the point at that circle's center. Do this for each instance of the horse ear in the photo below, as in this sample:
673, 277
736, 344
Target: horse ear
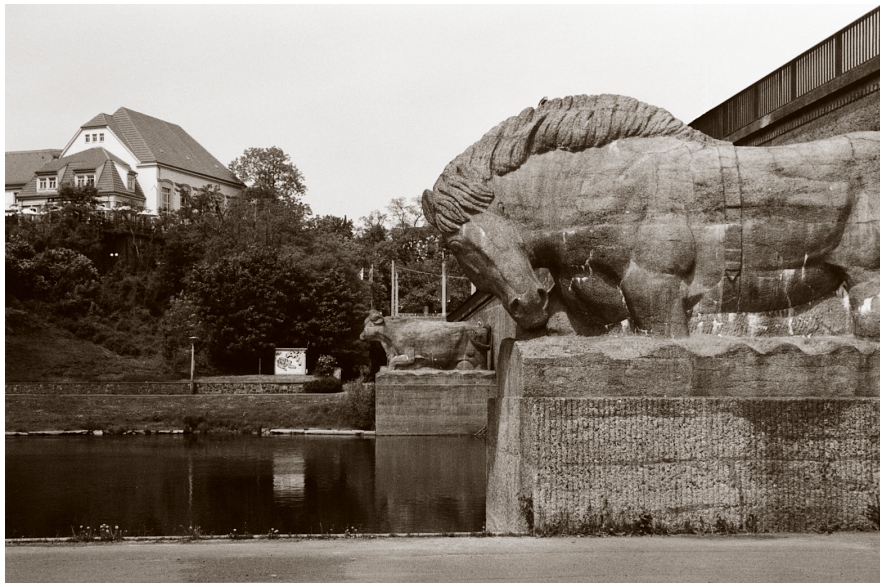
427, 206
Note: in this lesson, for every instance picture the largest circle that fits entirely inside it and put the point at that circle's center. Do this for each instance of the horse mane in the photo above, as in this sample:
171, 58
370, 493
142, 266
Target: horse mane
573, 124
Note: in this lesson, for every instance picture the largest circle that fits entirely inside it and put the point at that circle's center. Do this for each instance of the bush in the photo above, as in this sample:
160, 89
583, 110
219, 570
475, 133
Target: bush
358, 410
323, 385
325, 366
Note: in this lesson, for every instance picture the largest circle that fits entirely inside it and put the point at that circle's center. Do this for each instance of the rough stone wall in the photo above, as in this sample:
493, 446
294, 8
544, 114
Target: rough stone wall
428, 401
151, 388
692, 464
698, 435
221, 388
89, 388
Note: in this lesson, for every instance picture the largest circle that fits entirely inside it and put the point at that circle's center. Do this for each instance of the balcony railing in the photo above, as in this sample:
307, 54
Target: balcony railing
839, 54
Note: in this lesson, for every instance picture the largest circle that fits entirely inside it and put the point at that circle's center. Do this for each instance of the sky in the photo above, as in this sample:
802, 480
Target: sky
371, 102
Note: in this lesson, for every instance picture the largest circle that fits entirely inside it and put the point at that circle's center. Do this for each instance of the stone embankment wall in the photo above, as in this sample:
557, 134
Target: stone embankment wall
151, 388
429, 401
585, 437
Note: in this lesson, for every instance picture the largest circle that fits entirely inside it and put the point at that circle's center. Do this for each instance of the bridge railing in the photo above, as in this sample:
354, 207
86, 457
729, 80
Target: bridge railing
840, 53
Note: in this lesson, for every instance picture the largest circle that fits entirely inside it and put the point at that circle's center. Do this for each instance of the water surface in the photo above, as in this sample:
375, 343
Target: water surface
159, 485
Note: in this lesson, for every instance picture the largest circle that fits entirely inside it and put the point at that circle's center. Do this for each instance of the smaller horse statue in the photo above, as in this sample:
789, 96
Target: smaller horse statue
428, 344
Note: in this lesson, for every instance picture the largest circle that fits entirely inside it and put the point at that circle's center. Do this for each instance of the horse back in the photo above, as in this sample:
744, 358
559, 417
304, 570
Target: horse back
810, 201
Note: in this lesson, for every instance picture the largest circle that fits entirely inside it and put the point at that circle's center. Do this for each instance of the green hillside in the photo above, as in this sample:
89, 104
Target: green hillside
39, 351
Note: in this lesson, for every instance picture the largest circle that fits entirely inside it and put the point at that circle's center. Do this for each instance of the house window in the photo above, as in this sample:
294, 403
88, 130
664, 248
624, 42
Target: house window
94, 138
101, 137
131, 183
165, 194
85, 179
44, 183
87, 138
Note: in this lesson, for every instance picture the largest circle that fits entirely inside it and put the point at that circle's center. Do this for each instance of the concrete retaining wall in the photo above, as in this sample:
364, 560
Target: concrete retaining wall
428, 401
151, 388
764, 457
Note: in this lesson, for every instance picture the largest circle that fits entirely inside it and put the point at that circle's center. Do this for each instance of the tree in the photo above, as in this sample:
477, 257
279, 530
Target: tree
406, 213
333, 225
270, 172
264, 297
72, 225
402, 236
80, 198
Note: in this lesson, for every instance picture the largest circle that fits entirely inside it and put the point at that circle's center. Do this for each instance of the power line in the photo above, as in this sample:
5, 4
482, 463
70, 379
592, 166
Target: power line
434, 274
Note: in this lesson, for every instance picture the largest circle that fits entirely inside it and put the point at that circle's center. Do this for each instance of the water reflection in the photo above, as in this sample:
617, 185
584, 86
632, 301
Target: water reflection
289, 477
160, 485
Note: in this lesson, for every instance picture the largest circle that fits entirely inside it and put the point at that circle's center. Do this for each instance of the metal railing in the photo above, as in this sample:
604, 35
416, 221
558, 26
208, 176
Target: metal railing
840, 53
108, 220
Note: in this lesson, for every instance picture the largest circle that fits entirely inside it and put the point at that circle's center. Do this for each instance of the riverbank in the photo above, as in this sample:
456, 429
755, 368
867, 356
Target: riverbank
116, 414
839, 557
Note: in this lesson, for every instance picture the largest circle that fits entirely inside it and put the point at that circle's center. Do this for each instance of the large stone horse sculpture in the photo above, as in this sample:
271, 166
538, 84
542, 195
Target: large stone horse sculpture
635, 215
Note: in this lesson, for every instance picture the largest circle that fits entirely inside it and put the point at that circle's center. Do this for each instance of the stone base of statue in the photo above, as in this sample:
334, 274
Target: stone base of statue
705, 434
432, 402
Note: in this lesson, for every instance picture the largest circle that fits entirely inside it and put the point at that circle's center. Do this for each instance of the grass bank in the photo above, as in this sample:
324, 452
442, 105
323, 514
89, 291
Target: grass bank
203, 414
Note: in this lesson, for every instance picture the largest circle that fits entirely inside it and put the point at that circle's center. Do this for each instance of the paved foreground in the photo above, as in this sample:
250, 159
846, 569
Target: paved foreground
785, 557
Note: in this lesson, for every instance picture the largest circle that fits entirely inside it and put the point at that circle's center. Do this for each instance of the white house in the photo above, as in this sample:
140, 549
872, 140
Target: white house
132, 159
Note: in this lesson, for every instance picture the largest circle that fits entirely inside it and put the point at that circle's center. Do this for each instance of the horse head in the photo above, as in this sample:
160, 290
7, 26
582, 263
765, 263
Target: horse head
493, 255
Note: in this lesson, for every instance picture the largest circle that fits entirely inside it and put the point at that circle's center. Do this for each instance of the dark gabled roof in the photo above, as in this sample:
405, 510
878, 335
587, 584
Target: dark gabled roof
88, 159
96, 159
152, 140
98, 121
21, 165
110, 181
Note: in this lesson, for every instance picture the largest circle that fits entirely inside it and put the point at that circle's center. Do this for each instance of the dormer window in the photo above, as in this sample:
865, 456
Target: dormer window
130, 185
85, 179
46, 183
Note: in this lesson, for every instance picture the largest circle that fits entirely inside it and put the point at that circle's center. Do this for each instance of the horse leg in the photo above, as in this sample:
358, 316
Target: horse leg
655, 302
401, 362
653, 285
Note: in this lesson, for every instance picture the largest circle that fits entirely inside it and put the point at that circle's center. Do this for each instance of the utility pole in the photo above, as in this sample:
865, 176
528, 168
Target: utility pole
443, 289
394, 285
193, 340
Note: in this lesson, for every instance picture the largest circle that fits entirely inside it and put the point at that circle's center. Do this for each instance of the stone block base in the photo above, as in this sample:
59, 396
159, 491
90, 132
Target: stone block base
699, 366
764, 459
428, 401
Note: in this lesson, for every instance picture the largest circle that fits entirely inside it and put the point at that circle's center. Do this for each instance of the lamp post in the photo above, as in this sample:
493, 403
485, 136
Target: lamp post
193, 340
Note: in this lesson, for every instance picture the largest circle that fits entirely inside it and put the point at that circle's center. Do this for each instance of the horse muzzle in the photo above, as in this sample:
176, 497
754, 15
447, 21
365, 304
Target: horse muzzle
530, 309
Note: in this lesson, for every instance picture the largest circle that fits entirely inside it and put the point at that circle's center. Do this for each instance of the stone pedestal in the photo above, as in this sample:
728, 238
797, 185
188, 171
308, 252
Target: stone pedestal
429, 401
703, 434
